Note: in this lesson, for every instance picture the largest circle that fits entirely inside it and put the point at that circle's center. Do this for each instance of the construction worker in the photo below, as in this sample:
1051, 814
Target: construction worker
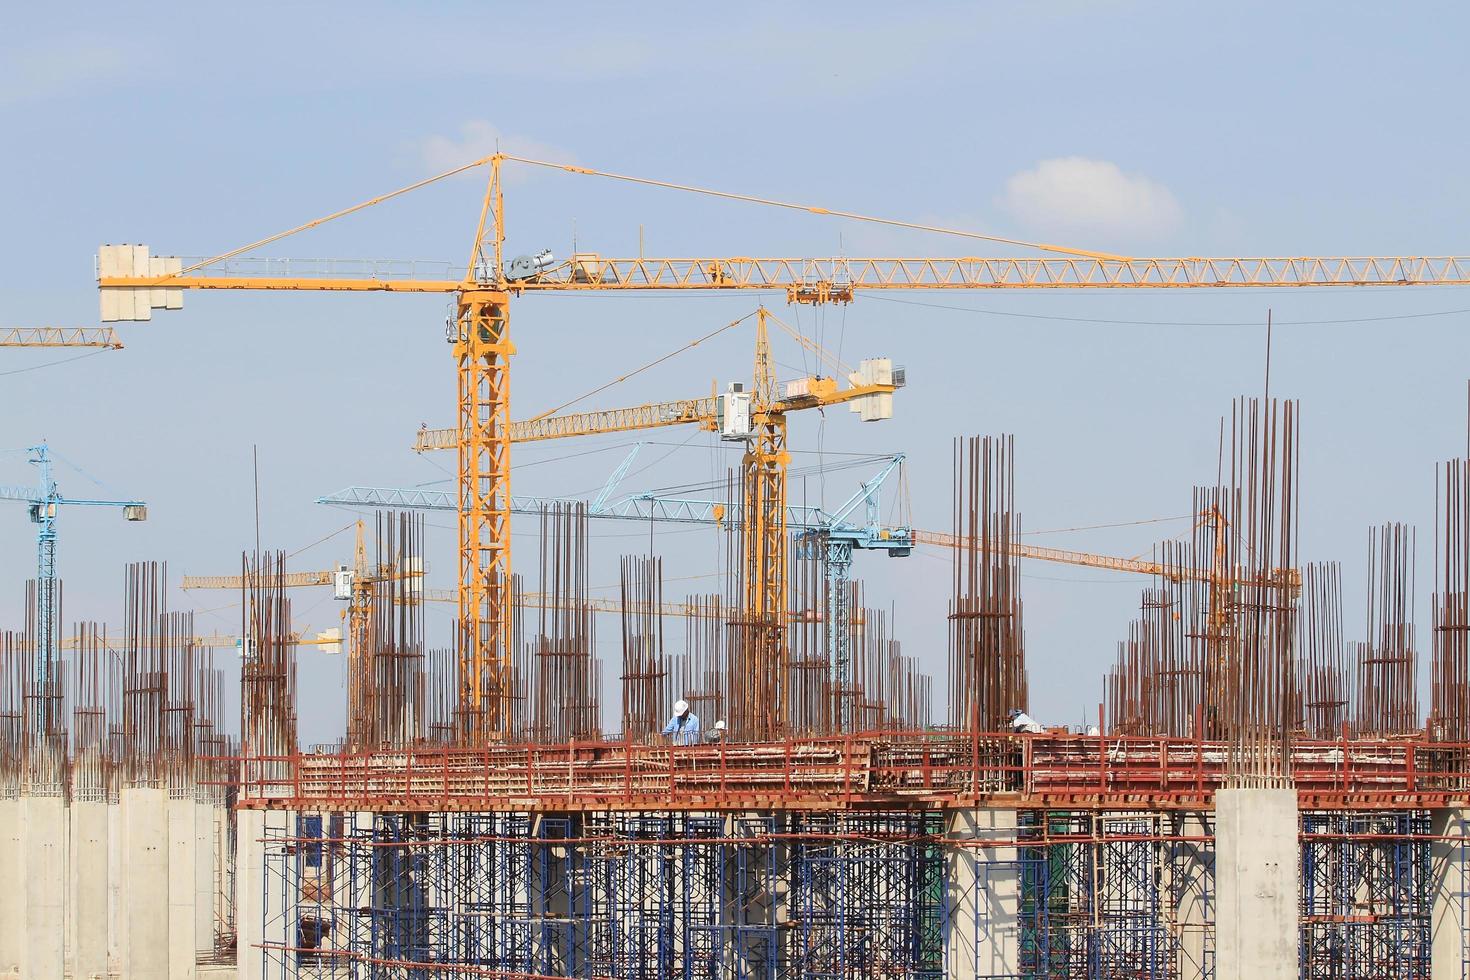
1022, 722
717, 733
684, 726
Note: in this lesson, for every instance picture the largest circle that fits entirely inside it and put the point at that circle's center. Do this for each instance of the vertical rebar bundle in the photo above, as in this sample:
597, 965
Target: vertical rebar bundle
756, 692
641, 589
1323, 694
267, 673
565, 704
1450, 611
175, 638
44, 740
1157, 684
811, 697
13, 666
1252, 518
698, 675
89, 678
889, 691
144, 761
1387, 662
388, 709
986, 640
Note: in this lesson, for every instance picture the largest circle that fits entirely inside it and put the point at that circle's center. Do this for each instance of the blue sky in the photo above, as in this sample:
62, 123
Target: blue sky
1137, 127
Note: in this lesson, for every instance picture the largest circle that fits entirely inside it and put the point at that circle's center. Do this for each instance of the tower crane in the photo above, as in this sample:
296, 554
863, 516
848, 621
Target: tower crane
758, 419
133, 282
44, 500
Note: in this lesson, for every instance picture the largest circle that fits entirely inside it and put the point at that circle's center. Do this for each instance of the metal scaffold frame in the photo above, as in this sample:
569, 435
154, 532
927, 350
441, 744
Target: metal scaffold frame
1366, 895
633, 896
1101, 896
869, 895
831, 895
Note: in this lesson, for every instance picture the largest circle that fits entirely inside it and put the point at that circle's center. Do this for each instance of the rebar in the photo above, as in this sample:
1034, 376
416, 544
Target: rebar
986, 639
641, 588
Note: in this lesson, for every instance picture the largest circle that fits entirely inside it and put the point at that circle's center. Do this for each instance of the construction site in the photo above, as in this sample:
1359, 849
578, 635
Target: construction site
759, 780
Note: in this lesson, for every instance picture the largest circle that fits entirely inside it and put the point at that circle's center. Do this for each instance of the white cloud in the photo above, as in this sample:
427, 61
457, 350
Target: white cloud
68, 66
478, 138
1092, 198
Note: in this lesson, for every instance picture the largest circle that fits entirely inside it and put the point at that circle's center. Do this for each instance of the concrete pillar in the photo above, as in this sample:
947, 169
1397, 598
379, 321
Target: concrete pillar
1450, 881
1192, 893
182, 889
87, 900
12, 897
43, 823
982, 937
145, 893
265, 905
1258, 883
224, 870
249, 893
115, 934
205, 816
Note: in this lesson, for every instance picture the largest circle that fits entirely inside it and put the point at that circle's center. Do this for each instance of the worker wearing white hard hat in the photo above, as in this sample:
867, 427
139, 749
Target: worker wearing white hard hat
716, 733
684, 726
1022, 722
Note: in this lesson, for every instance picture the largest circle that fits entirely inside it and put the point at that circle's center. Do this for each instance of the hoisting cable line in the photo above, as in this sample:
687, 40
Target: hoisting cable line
637, 371
813, 209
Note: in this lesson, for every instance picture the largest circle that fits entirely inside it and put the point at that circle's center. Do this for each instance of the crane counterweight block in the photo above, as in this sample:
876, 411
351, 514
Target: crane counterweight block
137, 302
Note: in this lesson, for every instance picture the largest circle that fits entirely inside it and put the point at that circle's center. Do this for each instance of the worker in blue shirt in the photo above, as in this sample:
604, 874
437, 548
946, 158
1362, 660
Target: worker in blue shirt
684, 726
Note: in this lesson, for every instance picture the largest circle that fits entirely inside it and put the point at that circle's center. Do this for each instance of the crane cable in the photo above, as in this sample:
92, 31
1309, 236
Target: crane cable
639, 370
812, 209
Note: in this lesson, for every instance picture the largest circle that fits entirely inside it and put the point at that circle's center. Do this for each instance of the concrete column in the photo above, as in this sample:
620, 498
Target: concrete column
43, 822
115, 935
204, 857
12, 897
265, 908
182, 889
1192, 893
144, 895
1450, 881
224, 870
87, 900
982, 937
1258, 881
249, 893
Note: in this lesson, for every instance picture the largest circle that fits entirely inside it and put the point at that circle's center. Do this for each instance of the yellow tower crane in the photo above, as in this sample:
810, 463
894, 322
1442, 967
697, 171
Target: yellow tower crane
756, 418
133, 283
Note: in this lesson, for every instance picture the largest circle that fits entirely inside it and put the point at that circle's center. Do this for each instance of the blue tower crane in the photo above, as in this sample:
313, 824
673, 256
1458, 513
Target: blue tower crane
44, 500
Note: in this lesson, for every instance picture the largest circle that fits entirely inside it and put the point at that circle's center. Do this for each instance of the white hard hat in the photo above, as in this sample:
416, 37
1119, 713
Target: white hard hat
720, 724
681, 706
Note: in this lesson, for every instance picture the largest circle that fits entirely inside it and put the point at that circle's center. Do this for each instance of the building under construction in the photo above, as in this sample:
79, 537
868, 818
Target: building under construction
1261, 793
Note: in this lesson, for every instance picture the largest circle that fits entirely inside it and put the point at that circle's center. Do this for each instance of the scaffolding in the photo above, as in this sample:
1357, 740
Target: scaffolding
1113, 896
869, 895
1366, 895
633, 896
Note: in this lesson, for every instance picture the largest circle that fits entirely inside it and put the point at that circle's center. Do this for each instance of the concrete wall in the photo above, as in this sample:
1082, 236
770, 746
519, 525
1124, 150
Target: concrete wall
204, 863
1257, 880
983, 937
88, 896
12, 897
144, 895
182, 889
43, 826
